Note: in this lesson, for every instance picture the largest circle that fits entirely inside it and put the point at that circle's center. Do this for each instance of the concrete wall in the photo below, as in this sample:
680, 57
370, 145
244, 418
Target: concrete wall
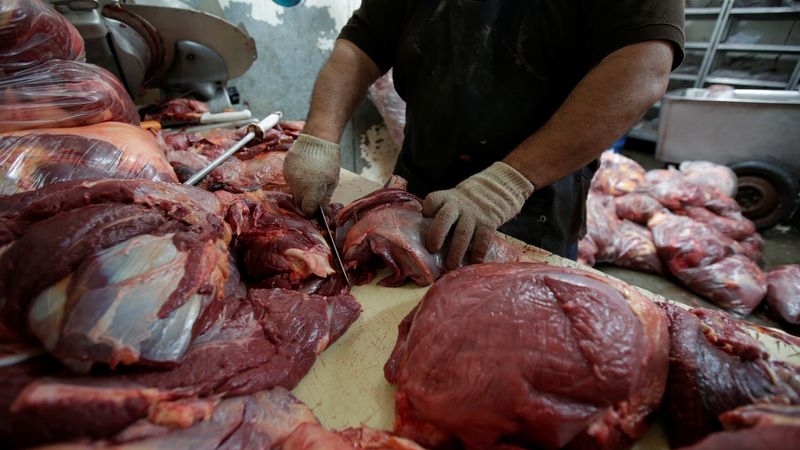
293, 44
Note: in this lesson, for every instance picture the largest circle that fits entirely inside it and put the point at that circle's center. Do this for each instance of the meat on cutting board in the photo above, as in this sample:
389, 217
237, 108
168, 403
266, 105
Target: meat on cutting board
528, 354
269, 339
715, 367
386, 228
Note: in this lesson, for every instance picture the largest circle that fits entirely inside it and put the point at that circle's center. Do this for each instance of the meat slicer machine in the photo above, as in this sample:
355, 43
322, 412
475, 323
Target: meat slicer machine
164, 48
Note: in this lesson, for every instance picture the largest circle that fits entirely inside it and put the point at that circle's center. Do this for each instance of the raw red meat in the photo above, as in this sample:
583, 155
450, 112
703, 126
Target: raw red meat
60, 93
269, 339
31, 159
387, 228
779, 437
531, 355
783, 293
32, 32
715, 367
111, 271
257, 166
276, 239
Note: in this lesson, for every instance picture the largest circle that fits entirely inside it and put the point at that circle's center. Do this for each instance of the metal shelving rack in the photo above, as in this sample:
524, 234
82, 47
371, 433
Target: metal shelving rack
726, 14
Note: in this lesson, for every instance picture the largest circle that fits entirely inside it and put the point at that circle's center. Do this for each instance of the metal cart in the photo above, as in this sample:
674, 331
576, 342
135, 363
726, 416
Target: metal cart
755, 132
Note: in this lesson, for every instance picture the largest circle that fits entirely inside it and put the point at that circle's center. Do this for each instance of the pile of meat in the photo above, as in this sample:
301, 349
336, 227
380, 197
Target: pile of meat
136, 311
684, 223
527, 355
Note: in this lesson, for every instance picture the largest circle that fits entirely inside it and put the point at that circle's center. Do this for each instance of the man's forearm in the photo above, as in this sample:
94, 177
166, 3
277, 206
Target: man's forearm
602, 108
340, 87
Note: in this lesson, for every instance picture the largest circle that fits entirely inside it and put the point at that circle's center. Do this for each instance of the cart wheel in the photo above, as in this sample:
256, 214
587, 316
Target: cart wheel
766, 191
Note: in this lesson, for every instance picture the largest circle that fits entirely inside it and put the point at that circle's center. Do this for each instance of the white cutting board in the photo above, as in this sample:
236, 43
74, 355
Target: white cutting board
346, 387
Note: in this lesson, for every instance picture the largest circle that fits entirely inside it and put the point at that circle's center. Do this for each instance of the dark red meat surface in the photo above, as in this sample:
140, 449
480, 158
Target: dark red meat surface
528, 354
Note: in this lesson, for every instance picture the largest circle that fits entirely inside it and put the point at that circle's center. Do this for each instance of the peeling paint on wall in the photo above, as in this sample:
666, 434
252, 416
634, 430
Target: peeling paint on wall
267, 11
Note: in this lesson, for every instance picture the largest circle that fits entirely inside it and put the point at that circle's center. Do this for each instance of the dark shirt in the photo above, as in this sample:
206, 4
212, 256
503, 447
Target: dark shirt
478, 77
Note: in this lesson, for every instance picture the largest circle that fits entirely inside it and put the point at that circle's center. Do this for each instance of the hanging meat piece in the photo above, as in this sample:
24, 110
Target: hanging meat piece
386, 228
715, 367
61, 93
783, 293
32, 159
31, 33
531, 355
111, 271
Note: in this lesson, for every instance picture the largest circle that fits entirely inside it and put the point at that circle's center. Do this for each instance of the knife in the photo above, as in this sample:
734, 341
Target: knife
333, 245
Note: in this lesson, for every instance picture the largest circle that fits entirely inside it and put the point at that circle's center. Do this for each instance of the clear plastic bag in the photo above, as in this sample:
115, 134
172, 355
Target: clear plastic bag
61, 93
35, 158
32, 32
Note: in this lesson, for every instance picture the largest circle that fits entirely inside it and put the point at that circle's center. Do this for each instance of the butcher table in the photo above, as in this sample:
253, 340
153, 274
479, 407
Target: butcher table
346, 387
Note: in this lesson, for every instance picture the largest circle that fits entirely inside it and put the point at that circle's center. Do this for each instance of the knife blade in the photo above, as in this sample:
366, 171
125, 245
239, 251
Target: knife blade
332, 241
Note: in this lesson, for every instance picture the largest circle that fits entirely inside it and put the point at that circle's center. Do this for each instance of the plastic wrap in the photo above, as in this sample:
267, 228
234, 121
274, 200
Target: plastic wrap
61, 93
390, 106
710, 174
35, 158
617, 174
32, 32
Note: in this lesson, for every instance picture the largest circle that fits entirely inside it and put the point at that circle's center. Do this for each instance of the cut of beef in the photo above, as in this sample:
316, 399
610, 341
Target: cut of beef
715, 367
269, 339
111, 271
387, 228
275, 239
528, 354
32, 32
62, 93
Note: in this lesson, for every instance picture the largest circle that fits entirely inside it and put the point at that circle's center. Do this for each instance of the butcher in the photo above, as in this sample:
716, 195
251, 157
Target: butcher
509, 104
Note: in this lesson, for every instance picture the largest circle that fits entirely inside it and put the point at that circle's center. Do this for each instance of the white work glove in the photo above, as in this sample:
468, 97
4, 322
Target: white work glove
474, 209
311, 169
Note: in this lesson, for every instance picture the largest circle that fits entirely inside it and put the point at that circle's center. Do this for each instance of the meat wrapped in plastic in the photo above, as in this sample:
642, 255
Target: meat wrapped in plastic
31, 159
61, 93
32, 32
707, 173
617, 175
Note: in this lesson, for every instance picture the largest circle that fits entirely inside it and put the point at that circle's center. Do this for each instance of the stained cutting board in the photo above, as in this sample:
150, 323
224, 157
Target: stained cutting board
346, 387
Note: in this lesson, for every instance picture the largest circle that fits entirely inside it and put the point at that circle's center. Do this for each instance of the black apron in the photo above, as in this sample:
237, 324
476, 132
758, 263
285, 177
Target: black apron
477, 78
